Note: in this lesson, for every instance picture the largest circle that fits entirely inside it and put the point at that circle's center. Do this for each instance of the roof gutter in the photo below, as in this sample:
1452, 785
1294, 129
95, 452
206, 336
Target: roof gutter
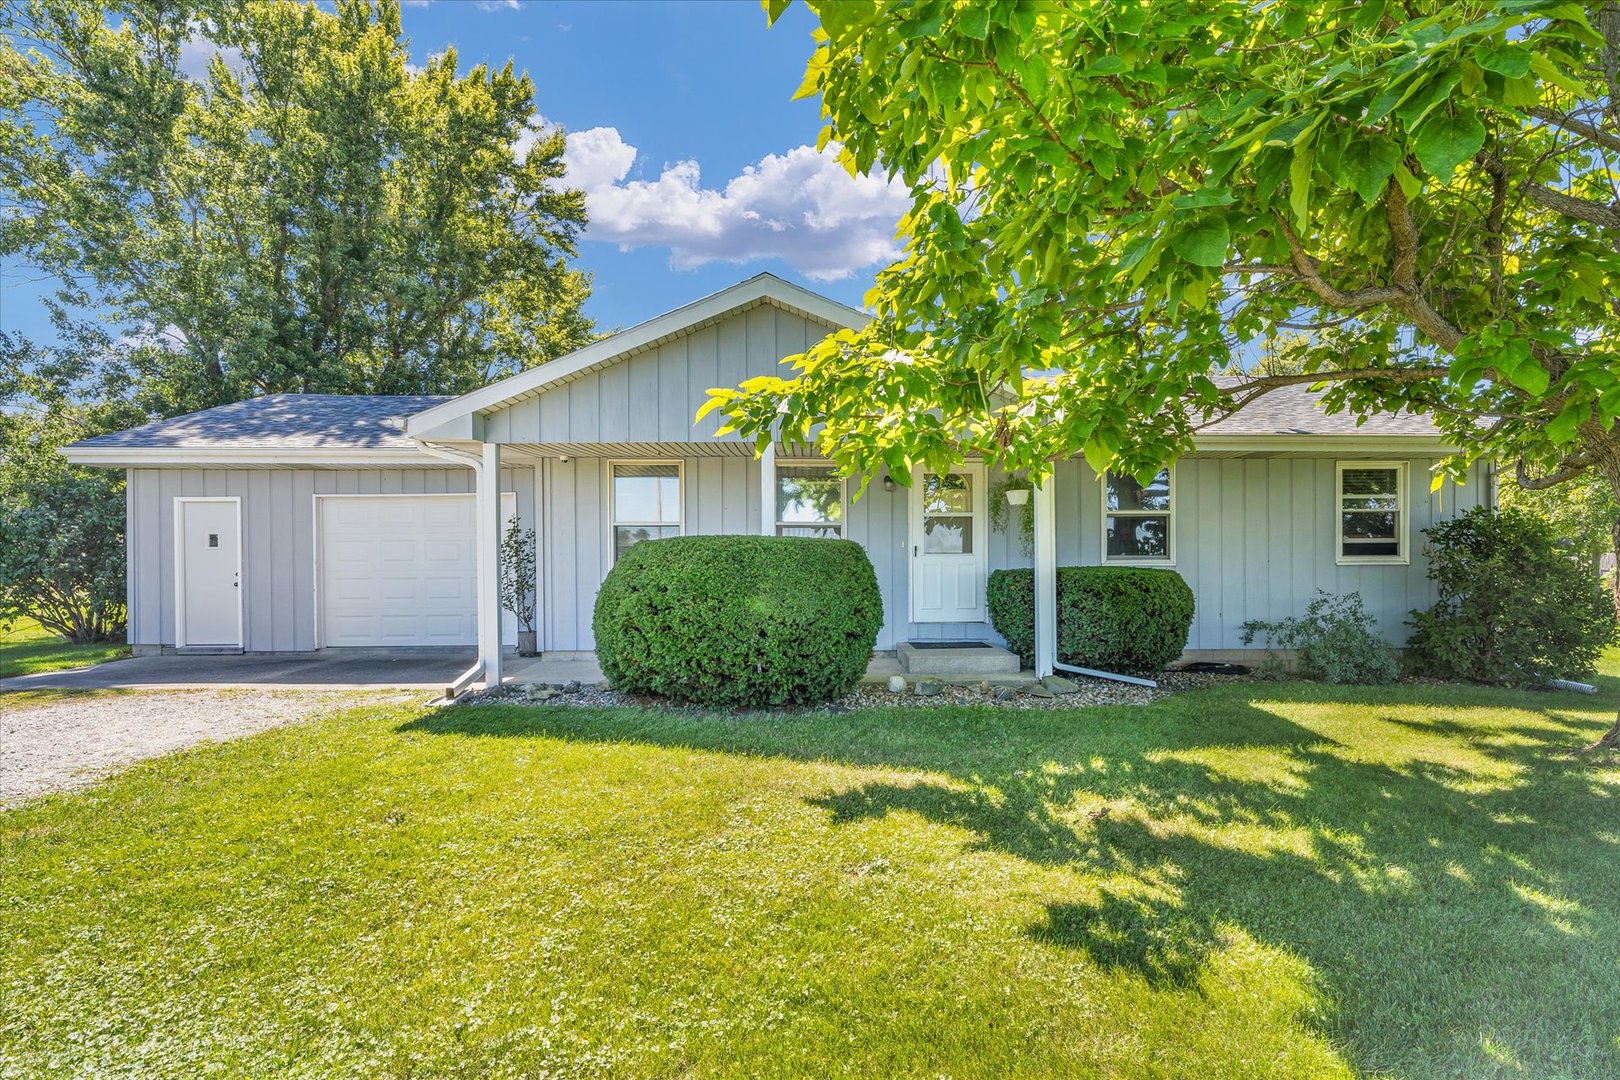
135, 457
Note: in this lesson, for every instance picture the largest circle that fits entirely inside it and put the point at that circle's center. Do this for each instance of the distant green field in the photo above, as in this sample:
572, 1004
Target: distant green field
27, 647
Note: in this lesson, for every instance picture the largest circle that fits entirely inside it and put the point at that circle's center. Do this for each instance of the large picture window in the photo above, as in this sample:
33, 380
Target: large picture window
1372, 511
809, 500
646, 503
1137, 518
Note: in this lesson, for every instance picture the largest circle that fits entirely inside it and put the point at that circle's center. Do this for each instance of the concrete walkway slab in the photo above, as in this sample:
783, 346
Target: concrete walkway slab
364, 669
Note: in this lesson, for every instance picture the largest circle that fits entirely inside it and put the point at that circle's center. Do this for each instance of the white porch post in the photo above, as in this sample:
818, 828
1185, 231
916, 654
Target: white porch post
1045, 579
767, 489
489, 562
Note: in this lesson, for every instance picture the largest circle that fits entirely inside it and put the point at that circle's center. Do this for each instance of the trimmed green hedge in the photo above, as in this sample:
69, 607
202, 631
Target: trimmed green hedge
739, 620
1113, 618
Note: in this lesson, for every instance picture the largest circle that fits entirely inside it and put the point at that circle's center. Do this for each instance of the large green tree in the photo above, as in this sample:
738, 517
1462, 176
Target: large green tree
62, 527
1120, 195
308, 214
1584, 514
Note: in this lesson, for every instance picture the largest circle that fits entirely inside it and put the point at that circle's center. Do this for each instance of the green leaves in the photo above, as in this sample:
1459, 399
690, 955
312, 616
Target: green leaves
1368, 164
1446, 140
1505, 59
1299, 184
321, 218
1205, 243
1149, 145
974, 21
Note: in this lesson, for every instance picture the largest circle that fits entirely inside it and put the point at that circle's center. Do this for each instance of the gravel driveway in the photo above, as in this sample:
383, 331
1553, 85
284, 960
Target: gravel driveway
73, 741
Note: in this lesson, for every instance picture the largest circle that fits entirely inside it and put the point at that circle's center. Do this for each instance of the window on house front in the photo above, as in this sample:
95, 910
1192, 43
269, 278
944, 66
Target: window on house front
947, 507
1137, 518
1372, 511
809, 501
646, 503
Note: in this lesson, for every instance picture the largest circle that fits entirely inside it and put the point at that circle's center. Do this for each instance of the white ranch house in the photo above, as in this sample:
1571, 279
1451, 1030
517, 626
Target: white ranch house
292, 523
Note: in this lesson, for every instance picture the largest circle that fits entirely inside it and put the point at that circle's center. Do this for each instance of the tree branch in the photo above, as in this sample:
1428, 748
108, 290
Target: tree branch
1576, 127
1568, 469
1593, 213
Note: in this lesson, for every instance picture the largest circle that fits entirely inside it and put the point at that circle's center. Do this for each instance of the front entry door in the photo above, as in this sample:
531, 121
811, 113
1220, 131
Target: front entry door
208, 609
948, 546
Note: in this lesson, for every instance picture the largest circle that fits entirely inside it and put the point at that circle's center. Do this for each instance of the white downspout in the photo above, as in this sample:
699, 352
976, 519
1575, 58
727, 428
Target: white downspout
474, 462
1046, 661
1045, 579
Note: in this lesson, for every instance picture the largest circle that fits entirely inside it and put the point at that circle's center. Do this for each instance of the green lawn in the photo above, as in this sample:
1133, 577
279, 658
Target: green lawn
1257, 880
27, 647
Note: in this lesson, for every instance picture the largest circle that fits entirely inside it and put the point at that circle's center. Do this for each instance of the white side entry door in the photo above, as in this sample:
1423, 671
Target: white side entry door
208, 574
948, 534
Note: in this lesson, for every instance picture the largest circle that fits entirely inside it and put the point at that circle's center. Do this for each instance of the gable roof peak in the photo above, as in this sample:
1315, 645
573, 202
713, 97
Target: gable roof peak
764, 287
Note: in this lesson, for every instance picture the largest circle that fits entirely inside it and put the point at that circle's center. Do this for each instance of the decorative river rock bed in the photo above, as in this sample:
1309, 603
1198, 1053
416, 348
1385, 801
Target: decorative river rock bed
900, 692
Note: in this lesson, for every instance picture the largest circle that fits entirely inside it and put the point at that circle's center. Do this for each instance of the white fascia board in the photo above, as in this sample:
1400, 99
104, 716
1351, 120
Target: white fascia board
1326, 444
757, 288
132, 457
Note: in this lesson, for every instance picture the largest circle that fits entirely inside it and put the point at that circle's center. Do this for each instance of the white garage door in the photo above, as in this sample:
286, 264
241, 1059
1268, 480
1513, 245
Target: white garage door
399, 569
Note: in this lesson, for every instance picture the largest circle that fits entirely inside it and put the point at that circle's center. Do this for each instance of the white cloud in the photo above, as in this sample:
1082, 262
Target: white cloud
197, 51
499, 5
802, 207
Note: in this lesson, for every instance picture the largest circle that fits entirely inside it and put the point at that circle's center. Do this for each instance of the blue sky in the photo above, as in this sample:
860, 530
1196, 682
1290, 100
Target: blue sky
699, 169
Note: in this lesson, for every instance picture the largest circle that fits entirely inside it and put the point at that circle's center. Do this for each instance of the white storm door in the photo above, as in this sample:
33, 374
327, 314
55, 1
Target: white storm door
948, 546
208, 577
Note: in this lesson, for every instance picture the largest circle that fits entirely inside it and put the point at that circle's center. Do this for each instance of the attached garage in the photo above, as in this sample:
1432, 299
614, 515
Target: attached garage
398, 570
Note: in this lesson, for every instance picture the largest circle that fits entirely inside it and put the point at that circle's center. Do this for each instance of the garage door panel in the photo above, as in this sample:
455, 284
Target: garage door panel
398, 570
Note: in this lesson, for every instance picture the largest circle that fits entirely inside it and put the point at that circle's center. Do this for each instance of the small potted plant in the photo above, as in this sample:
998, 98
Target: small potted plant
517, 584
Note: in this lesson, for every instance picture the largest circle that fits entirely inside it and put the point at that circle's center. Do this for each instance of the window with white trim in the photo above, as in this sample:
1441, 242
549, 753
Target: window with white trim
809, 500
1138, 518
1371, 511
645, 502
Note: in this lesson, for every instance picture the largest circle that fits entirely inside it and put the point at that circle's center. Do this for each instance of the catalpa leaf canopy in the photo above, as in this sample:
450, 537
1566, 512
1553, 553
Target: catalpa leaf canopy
1113, 201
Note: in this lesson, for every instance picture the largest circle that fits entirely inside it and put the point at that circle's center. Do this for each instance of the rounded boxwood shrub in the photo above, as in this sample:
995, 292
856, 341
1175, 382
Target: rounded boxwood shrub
1510, 607
739, 620
1113, 618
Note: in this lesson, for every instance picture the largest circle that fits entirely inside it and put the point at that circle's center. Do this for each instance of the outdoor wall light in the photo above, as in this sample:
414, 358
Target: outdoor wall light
1017, 496
888, 483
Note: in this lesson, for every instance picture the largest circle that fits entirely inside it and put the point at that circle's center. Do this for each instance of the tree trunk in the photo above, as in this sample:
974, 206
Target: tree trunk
1610, 739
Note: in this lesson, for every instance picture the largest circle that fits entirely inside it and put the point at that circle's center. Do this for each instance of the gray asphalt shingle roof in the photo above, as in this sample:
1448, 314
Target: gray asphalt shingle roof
1295, 410
364, 421
375, 421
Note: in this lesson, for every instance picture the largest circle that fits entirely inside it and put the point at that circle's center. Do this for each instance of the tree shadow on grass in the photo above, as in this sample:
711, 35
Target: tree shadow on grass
1448, 879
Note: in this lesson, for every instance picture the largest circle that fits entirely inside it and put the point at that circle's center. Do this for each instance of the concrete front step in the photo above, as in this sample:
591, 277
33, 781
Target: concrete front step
957, 663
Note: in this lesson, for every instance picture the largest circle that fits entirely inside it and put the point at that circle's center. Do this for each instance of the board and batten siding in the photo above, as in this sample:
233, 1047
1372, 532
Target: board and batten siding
1254, 538
654, 395
278, 540
719, 496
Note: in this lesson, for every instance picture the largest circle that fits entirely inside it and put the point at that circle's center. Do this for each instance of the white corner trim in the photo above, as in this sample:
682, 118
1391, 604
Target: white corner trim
742, 295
